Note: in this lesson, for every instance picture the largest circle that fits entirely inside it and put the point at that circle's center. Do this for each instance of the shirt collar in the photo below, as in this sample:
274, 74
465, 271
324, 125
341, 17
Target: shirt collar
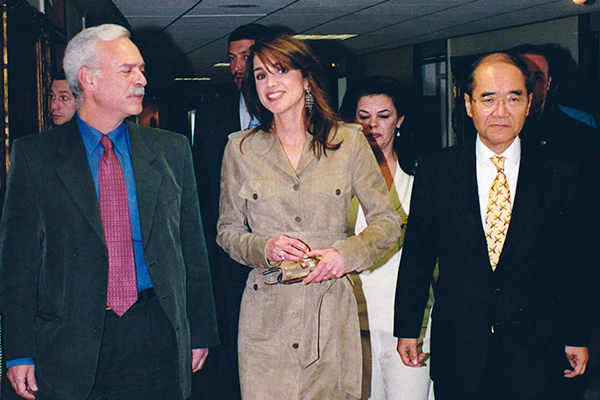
91, 137
512, 153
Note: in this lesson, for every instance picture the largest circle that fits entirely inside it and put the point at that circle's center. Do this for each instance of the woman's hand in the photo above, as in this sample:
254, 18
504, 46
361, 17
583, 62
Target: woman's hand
331, 266
286, 248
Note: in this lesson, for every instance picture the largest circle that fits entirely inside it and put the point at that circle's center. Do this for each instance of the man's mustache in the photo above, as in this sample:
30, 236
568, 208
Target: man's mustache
138, 91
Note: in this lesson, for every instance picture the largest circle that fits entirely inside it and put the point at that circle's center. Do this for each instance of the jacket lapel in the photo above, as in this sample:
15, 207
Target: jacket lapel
77, 177
529, 195
466, 198
465, 192
147, 179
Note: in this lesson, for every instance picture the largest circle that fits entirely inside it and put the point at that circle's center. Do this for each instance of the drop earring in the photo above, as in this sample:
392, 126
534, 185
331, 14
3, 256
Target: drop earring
397, 132
309, 100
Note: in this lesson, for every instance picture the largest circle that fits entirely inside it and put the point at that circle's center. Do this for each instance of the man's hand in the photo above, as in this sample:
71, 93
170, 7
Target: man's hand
198, 358
407, 348
578, 358
22, 379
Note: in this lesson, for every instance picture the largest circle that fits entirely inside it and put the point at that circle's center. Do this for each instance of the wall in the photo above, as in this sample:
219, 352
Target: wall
561, 31
564, 32
397, 63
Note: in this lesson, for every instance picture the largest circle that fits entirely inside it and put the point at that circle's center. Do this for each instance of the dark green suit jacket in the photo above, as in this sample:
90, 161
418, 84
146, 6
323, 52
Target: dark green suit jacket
54, 261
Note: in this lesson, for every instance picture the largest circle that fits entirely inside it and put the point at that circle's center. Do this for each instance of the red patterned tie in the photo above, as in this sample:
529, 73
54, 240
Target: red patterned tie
114, 210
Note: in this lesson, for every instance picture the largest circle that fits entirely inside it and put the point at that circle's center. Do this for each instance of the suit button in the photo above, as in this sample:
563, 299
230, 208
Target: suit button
97, 329
296, 186
497, 290
255, 286
255, 196
295, 345
298, 219
102, 295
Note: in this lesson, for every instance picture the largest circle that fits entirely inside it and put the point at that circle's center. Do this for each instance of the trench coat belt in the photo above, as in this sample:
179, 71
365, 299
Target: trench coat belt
309, 342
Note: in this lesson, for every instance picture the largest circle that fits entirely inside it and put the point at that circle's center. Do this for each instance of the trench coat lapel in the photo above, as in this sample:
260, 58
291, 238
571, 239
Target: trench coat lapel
147, 178
268, 144
308, 156
75, 173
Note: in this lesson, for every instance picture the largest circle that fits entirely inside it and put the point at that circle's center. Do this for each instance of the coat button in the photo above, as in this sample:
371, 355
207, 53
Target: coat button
296, 186
295, 345
255, 196
97, 329
255, 287
338, 192
543, 142
298, 219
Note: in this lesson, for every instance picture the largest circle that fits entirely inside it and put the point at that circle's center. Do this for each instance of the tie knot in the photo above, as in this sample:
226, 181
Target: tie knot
106, 142
498, 162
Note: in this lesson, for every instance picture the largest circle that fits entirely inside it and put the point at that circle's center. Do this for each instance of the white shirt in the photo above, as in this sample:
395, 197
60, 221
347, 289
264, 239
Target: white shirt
487, 171
245, 116
379, 285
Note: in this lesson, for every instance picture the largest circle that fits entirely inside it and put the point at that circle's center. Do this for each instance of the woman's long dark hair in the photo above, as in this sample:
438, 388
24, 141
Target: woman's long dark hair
382, 85
284, 51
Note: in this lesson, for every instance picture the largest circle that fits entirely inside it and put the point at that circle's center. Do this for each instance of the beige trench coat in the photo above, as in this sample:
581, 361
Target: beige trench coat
301, 341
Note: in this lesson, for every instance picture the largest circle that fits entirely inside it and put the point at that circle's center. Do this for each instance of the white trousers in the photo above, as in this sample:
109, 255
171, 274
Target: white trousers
390, 378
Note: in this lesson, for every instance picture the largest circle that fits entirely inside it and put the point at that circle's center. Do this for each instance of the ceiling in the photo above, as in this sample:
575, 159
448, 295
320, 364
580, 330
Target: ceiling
187, 37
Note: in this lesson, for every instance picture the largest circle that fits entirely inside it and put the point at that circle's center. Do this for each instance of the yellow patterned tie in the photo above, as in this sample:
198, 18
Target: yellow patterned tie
498, 213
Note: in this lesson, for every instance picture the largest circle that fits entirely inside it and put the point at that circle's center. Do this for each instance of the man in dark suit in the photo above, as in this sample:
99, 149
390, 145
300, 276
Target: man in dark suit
510, 319
221, 116
105, 289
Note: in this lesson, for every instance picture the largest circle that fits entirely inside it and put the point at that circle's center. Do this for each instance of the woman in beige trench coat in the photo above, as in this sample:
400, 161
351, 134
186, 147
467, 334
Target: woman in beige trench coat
286, 188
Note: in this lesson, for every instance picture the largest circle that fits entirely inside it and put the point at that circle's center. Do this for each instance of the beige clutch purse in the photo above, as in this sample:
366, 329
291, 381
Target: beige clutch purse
290, 271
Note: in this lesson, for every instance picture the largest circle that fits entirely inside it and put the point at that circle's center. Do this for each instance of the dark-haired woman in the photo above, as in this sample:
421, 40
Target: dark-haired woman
285, 195
380, 106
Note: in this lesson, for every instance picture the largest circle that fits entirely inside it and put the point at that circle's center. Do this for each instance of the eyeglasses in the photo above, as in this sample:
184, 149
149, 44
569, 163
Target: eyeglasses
512, 102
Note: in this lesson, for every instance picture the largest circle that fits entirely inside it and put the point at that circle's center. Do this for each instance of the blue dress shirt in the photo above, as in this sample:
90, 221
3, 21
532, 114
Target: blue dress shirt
120, 138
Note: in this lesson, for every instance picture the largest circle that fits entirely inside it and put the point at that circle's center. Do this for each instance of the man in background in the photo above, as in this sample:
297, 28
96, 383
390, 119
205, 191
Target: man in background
62, 101
546, 114
219, 117
105, 288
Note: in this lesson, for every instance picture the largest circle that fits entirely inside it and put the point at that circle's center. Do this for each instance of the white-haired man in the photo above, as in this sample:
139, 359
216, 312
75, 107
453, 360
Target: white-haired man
104, 282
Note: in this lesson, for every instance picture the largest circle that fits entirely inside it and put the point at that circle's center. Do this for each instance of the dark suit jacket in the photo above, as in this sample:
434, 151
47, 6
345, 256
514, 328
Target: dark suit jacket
537, 299
54, 261
218, 118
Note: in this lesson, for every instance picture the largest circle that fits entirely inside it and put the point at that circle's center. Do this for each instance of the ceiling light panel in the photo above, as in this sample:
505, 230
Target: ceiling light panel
145, 8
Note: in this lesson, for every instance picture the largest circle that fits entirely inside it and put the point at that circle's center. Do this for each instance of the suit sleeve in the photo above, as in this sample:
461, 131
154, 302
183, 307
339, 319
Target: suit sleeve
580, 255
20, 257
418, 261
200, 300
